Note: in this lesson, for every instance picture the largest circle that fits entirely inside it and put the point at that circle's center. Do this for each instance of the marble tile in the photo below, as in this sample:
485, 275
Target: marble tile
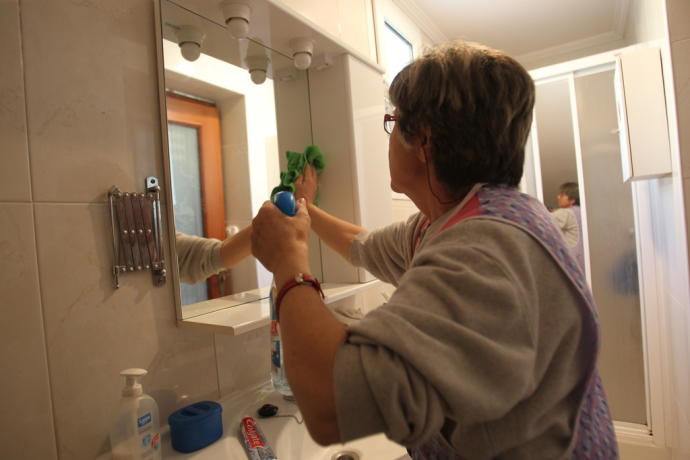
25, 387
93, 331
686, 205
15, 184
669, 243
92, 97
243, 360
678, 12
680, 56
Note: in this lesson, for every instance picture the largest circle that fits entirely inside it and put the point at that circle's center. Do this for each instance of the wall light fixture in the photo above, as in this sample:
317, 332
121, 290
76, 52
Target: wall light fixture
190, 39
237, 16
258, 66
302, 50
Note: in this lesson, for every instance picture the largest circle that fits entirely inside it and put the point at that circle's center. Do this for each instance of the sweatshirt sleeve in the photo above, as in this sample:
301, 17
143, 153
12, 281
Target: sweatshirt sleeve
198, 258
560, 218
385, 252
438, 349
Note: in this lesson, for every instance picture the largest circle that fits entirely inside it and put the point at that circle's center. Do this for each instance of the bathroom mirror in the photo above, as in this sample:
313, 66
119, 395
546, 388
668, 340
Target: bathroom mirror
227, 134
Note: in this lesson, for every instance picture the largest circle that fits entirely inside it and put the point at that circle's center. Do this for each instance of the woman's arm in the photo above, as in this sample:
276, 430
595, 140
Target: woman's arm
336, 233
310, 333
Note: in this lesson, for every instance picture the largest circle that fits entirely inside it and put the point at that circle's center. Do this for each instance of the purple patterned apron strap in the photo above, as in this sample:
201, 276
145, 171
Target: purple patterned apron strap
594, 433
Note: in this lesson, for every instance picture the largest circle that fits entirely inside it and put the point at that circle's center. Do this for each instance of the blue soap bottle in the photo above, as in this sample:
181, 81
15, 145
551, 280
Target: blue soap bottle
286, 203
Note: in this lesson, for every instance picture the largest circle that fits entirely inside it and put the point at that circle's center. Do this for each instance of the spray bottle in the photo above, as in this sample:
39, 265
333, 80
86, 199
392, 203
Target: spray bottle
285, 201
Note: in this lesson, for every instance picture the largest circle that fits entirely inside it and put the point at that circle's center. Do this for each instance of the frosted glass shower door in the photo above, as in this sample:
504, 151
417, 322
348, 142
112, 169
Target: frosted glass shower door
576, 140
612, 247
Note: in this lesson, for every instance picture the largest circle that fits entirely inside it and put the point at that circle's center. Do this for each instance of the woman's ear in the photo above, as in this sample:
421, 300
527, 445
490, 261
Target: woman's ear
423, 144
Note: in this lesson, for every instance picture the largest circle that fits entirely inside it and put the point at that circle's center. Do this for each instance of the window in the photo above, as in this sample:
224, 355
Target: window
398, 51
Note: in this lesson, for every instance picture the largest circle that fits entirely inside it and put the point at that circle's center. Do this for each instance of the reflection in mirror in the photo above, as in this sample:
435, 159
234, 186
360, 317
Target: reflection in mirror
556, 141
232, 107
607, 225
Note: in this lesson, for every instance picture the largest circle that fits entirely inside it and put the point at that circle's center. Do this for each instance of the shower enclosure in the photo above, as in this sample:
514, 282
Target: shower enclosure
576, 137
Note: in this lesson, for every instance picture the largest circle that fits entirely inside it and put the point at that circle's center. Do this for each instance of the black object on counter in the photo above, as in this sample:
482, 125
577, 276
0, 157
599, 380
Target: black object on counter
267, 410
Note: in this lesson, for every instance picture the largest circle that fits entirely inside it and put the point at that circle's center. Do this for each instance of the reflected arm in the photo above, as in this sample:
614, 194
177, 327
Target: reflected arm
236, 247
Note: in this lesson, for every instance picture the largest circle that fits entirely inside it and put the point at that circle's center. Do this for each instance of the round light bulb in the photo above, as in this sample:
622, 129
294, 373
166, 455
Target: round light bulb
302, 60
190, 50
258, 76
238, 27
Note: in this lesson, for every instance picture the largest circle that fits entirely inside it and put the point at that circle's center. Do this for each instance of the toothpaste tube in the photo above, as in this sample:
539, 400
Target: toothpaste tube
254, 441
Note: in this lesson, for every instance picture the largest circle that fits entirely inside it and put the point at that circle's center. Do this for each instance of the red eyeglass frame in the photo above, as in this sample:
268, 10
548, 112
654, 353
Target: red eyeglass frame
388, 117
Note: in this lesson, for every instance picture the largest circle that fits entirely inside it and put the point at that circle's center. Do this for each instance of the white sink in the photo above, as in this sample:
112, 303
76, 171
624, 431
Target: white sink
287, 437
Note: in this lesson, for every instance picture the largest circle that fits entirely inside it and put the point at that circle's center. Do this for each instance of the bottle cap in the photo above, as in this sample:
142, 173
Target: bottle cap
132, 385
286, 202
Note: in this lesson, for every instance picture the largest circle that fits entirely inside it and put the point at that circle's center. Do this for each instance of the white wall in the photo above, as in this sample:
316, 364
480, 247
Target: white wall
674, 200
349, 20
645, 22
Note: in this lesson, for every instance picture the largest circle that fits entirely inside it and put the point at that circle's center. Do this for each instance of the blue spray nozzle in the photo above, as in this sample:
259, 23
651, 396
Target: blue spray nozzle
286, 203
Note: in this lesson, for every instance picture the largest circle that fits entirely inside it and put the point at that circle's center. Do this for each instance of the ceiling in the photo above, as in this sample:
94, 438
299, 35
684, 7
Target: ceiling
525, 29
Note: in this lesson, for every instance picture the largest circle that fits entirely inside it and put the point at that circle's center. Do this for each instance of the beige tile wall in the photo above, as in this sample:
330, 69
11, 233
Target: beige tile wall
680, 55
14, 174
678, 12
78, 114
25, 394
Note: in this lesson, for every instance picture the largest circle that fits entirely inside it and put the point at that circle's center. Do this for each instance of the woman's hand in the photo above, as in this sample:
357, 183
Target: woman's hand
307, 184
280, 242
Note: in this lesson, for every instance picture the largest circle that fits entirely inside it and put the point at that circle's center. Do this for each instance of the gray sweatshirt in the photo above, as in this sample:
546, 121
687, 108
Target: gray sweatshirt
197, 257
481, 341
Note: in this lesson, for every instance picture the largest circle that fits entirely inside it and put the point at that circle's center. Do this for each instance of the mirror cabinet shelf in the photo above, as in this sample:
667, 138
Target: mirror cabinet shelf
235, 315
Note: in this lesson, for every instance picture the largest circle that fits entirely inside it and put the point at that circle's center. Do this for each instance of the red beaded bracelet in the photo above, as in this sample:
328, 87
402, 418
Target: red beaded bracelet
301, 279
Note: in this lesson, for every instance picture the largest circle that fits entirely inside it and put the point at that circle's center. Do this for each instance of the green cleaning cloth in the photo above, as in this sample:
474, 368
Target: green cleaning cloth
296, 162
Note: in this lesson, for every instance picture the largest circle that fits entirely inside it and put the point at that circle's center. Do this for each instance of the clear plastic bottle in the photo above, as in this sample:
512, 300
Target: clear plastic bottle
135, 434
278, 377
285, 201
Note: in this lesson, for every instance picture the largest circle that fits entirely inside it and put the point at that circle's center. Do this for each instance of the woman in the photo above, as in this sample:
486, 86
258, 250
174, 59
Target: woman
487, 348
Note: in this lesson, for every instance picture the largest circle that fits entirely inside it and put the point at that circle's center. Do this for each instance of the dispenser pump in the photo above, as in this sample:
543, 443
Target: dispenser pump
132, 385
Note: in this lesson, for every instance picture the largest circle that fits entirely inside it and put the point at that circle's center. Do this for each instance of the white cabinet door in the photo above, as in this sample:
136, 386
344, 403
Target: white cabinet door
347, 106
642, 119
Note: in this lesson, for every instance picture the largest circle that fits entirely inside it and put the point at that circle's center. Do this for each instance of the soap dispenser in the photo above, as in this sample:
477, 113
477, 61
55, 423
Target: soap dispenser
135, 434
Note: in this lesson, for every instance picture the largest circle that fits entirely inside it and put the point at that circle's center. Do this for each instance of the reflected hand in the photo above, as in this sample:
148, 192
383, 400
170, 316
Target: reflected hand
307, 184
280, 242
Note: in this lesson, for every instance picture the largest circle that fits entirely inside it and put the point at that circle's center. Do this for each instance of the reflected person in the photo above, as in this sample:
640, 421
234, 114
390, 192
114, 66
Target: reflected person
199, 258
488, 346
568, 218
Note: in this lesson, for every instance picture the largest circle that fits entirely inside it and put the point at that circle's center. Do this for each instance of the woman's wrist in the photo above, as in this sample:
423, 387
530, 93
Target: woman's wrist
287, 272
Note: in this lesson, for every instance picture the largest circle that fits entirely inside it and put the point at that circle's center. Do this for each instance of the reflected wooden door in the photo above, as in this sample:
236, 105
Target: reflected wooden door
204, 119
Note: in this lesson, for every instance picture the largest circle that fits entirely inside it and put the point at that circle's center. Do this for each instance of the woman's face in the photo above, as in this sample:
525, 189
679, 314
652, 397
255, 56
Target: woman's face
402, 163
563, 200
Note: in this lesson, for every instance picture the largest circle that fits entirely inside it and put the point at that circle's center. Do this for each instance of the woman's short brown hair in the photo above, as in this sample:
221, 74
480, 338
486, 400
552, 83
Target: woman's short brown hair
571, 190
477, 104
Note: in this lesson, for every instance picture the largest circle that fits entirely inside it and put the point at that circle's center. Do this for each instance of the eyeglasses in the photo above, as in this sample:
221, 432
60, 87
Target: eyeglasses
389, 122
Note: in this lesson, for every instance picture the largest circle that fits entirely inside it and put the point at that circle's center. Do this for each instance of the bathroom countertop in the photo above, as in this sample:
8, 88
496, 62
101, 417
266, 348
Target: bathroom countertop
286, 434
236, 407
